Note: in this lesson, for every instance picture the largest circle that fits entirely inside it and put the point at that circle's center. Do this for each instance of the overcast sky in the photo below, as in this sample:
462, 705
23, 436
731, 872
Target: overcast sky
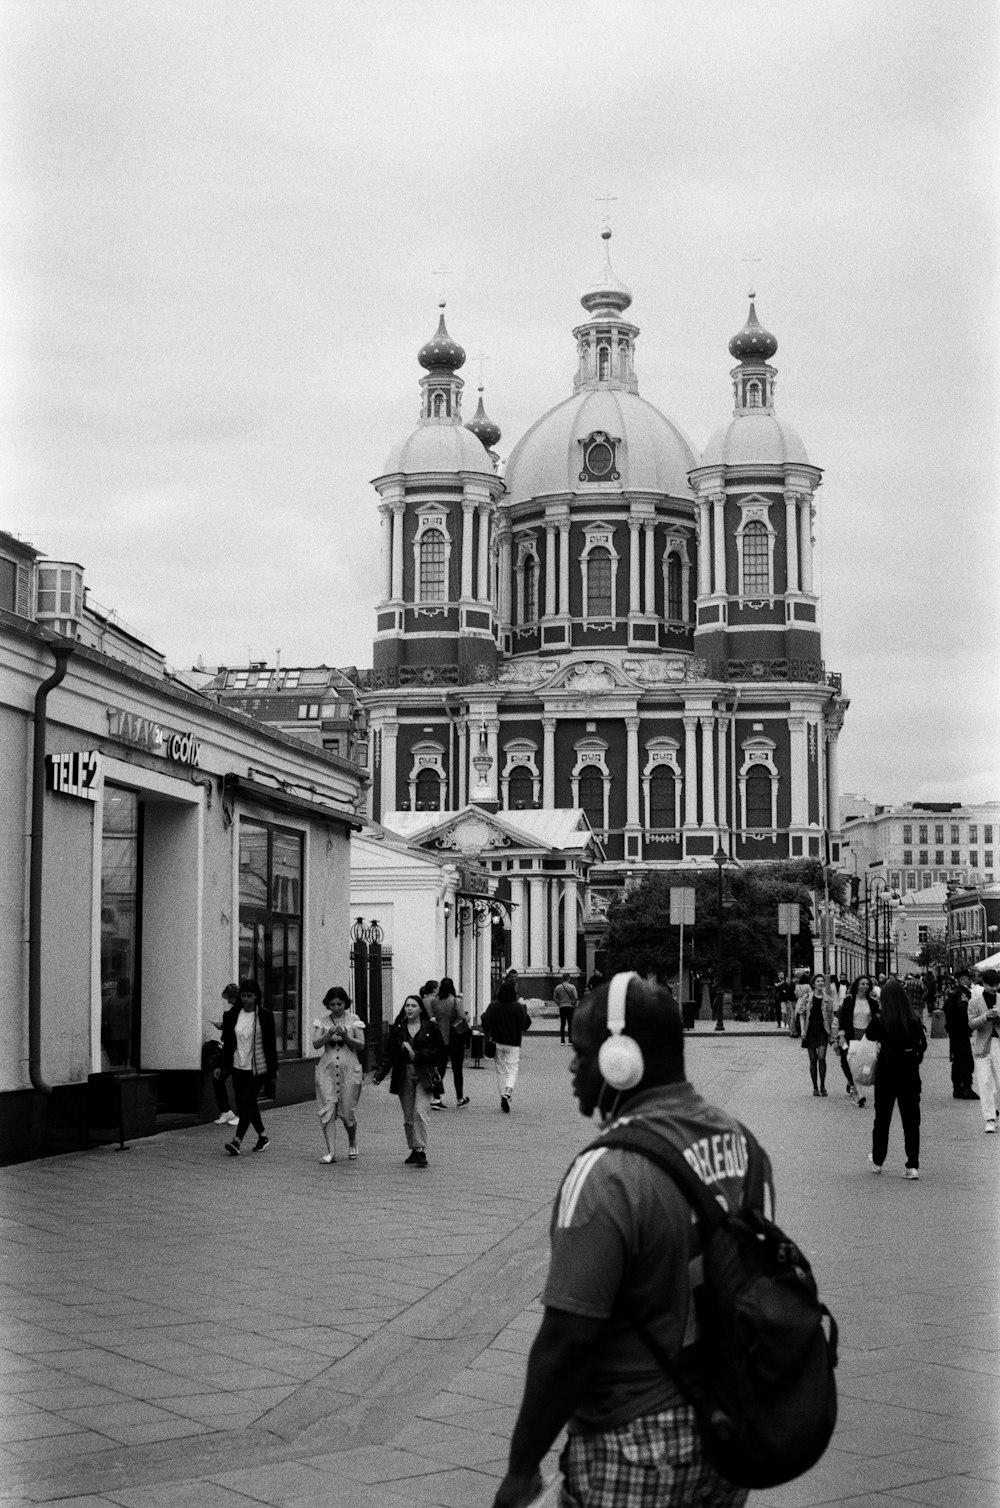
220, 263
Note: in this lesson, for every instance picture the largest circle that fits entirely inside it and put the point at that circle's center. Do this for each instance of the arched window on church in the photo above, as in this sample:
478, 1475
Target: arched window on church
599, 584
531, 590
662, 807
675, 600
758, 797
753, 395
428, 791
521, 790
432, 564
592, 796
623, 360
756, 576
603, 363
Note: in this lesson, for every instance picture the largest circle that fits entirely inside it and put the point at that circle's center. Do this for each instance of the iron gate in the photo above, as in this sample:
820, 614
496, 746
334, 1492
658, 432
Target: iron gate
371, 974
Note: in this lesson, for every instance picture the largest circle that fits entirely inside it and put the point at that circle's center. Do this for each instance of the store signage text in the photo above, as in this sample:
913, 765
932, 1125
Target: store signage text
143, 733
74, 774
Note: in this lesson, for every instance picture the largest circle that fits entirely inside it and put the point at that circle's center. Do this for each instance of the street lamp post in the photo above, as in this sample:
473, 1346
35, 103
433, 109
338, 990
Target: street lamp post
720, 857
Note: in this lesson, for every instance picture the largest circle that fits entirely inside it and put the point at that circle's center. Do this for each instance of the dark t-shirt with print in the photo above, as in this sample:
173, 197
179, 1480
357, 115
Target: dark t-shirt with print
624, 1237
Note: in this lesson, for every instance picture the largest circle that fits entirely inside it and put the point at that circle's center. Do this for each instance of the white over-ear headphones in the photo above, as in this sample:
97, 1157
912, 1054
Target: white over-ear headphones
620, 1058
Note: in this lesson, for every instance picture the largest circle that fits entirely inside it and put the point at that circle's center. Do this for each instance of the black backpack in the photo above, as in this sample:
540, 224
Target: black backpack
762, 1384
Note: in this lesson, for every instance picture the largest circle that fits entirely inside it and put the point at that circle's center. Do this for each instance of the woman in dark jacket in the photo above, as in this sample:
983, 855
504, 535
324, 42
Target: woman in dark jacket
249, 1052
415, 1046
902, 1044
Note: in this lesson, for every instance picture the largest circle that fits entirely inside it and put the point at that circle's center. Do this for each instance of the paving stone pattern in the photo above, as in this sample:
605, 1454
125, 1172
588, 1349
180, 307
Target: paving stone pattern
183, 1328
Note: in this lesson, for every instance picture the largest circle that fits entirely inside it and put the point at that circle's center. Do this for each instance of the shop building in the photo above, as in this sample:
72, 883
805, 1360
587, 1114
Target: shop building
921, 844
168, 845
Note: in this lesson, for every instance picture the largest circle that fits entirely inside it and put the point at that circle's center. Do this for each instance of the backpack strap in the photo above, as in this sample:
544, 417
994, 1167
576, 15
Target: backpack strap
633, 1136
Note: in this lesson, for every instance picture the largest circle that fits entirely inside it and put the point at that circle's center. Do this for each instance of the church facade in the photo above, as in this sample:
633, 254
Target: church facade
608, 657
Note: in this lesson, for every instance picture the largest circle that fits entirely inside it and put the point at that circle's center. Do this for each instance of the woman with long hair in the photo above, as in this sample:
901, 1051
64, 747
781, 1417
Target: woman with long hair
902, 1044
341, 1035
414, 1050
453, 1023
816, 1013
853, 1016
250, 1055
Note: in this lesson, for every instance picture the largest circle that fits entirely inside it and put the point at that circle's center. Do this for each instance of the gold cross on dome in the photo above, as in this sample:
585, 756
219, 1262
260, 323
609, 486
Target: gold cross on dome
607, 200
752, 259
480, 359
442, 273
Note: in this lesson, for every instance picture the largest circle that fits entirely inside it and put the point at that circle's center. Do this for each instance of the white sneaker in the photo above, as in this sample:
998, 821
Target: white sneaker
225, 1119
990, 1127
233, 1120
873, 1166
911, 1173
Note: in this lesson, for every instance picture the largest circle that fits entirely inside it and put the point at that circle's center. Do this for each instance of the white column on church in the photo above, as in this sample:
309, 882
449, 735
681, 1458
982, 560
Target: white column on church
463, 763
633, 566
550, 570
483, 584
398, 509
503, 589
720, 763
832, 780
791, 542
649, 599
704, 550
518, 923
799, 773
719, 525
570, 903
468, 518
548, 763
492, 778
554, 925
389, 734
564, 568
385, 550
632, 772
805, 543
707, 769
536, 937
690, 772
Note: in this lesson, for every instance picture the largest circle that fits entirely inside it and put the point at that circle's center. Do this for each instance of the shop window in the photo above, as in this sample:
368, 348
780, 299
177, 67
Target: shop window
432, 566
121, 867
756, 556
270, 881
599, 584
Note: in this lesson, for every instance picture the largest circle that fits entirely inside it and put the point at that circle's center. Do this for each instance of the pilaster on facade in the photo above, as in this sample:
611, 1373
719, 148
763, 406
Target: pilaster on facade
549, 761
690, 771
571, 923
468, 525
389, 734
798, 772
398, 512
791, 543
483, 587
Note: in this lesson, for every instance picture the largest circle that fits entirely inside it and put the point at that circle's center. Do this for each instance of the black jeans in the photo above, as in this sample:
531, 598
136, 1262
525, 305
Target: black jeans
566, 1022
902, 1089
961, 1061
453, 1052
246, 1088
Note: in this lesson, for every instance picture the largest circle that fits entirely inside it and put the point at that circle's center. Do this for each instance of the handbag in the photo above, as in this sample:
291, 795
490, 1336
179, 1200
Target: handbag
437, 1085
862, 1056
489, 1048
460, 1027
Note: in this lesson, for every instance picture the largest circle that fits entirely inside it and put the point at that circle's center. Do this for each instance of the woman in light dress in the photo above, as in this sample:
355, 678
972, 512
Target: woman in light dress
341, 1035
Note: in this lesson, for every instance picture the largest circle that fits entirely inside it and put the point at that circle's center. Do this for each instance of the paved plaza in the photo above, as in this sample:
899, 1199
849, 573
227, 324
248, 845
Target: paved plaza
179, 1328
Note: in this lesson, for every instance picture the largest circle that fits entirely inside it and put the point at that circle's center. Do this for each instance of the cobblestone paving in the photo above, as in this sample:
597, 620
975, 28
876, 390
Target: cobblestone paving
182, 1328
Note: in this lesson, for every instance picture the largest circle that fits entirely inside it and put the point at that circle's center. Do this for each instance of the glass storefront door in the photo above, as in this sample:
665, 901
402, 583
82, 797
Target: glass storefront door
271, 924
121, 869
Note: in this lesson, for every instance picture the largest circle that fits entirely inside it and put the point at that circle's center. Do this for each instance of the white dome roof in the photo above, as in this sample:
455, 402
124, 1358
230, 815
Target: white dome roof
438, 447
654, 455
755, 439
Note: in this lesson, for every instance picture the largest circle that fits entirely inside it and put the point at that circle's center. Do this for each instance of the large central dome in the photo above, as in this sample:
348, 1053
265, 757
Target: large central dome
653, 454
650, 453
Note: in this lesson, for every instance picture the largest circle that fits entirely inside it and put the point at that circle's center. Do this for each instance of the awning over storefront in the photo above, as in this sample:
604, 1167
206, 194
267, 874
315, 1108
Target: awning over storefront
282, 798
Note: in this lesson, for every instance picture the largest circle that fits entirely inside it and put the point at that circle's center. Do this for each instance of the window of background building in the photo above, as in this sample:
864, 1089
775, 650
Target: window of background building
271, 924
939, 855
907, 855
988, 858
939, 833
954, 833
973, 858
894, 879
926, 881
973, 833
8, 585
911, 881
907, 832
956, 857
308, 710
922, 857
922, 835
988, 833
922, 934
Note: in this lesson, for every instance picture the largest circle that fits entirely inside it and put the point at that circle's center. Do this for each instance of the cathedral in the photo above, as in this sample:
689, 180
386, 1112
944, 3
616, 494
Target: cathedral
604, 657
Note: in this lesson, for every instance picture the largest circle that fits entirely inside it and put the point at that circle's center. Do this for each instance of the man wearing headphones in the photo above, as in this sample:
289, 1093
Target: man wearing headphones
624, 1242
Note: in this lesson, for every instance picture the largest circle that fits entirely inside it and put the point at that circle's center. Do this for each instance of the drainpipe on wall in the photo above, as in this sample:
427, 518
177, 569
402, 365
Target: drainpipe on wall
62, 651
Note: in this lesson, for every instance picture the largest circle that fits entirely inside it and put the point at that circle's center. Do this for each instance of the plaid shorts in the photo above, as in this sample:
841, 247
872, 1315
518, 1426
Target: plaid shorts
655, 1461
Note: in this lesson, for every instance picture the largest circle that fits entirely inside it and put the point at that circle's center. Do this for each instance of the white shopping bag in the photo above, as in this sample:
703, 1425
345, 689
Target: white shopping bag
862, 1055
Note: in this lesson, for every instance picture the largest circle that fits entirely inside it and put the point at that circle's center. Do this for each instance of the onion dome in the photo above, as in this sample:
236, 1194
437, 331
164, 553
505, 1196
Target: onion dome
608, 292
442, 351
753, 343
482, 426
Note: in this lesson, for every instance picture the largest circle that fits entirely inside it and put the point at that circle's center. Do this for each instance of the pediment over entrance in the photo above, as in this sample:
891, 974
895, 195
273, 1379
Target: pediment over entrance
589, 675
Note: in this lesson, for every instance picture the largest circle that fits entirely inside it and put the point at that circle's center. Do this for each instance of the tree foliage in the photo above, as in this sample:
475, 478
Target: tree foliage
933, 954
640, 935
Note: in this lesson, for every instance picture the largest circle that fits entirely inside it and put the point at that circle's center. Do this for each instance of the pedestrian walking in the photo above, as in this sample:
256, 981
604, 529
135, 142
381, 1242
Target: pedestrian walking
916, 995
250, 1055
594, 982
213, 1063
622, 1242
566, 999
800, 1007
956, 1024
816, 1017
339, 1072
414, 1050
446, 1009
506, 1020
902, 1044
845, 1036
984, 1023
